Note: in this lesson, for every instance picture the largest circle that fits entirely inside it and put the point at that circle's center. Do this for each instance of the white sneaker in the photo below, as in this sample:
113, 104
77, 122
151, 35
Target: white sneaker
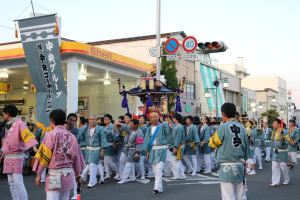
260, 168
206, 172
90, 185
132, 179
285, 183
252, 172
106, 177
117, 176
174, 178
142, 178
84, 177
122, 181
101, 181
193, 174
43, 181
248, 170
74, 197
183, 177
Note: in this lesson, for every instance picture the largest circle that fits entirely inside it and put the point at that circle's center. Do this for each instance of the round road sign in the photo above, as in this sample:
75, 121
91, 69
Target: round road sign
171, 45
189, 44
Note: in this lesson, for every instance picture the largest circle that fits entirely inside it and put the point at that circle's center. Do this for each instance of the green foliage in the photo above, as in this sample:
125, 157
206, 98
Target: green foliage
168, 68
272, 114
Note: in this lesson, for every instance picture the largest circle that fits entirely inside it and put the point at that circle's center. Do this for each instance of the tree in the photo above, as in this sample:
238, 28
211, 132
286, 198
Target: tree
272, 114
168, 68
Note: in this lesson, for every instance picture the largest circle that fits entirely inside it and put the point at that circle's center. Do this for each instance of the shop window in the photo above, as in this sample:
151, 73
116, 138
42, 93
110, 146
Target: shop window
230, 97
188, 91
192, 91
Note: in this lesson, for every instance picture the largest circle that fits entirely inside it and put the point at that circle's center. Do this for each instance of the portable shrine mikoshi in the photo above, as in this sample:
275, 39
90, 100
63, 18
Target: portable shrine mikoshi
153, 94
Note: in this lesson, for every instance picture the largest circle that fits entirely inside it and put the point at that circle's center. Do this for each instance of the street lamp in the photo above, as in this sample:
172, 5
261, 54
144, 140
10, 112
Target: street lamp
226, 83
273, 100
216, 83
207, 93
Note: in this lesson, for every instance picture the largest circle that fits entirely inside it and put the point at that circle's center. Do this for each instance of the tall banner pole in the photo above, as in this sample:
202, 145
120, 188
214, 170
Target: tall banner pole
39, 37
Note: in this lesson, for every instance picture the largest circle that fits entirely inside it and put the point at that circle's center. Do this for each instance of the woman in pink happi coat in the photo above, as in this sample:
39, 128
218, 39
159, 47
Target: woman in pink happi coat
18, 139
60, 153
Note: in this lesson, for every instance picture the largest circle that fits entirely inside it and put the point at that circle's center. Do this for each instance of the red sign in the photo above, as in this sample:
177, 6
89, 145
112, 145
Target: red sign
189, 44
171, 45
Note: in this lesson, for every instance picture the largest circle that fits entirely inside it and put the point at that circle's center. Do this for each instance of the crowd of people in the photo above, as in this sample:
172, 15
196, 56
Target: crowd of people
126, 149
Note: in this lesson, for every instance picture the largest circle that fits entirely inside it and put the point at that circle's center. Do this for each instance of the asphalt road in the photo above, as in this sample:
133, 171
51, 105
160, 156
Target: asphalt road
202, 186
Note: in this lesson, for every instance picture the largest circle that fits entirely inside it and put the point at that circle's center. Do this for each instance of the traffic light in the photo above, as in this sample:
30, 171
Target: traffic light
212, 47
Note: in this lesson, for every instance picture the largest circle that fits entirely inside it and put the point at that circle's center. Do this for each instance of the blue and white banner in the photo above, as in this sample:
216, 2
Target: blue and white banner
210, 74
42, 52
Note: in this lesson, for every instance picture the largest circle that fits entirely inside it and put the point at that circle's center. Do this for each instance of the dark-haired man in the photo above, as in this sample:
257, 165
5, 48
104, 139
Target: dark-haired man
266, 139
232, 140
135, 143
205, 150
294, 138
123, 135
178, 148
71, 121
17, 140
110, 153
192, 140
60, 153
257, 143
279, 142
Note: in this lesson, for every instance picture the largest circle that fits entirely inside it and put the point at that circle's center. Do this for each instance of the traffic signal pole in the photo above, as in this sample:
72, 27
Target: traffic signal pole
158, 40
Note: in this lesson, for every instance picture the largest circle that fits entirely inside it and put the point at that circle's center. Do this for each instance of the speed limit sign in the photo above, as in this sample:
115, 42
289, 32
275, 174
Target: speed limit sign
189, 44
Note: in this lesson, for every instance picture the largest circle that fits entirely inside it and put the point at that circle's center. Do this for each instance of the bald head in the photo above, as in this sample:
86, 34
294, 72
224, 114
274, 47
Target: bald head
154, 118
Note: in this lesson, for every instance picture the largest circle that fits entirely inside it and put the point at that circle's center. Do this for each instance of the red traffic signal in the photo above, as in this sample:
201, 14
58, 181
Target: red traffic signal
212, 47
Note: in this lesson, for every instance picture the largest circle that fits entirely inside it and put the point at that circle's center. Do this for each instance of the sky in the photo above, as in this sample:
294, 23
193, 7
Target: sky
266, 33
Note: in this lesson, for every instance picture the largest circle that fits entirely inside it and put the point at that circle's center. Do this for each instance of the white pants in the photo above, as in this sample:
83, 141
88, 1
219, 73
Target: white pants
167, 170
43, 175
158, 172
191, 162
17, 187
101, 170
122, 162
109, 162
207, 160
140, 166
93, 174
58, 195
129, 171
180, 168
293, 156
171, 162
150, 170
257, 155
232, 191
268, 153
276, 166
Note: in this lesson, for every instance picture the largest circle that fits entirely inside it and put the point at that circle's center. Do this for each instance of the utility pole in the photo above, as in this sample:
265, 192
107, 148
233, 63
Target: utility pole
158, 40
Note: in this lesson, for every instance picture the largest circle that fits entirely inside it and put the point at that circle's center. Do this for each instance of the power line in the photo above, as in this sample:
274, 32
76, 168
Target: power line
7, 27
43, 7
23, 11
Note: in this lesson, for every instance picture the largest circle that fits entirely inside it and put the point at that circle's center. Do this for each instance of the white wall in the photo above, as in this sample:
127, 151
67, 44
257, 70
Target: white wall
106, 99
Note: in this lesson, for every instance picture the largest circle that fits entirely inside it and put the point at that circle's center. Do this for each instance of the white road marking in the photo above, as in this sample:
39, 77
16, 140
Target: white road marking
215, 174
198, 177
196, 183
